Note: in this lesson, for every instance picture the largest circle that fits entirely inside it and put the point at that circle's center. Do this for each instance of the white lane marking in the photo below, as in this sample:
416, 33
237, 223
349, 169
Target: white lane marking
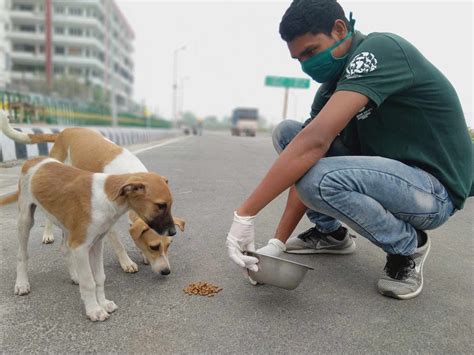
173, 140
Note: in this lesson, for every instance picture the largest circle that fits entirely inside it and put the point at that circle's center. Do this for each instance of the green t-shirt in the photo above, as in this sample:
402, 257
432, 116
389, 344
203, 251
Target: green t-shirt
413, 116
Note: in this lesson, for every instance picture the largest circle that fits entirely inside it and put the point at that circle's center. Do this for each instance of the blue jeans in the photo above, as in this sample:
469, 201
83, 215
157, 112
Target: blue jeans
382, 199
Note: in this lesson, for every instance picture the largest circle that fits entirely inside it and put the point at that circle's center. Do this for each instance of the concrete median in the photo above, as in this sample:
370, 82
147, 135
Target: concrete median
10, 150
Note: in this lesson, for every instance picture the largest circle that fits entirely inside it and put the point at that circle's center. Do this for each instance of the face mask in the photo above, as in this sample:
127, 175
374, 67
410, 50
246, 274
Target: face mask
324, 67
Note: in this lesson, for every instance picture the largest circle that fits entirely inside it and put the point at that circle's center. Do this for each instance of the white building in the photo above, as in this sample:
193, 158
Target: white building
4, 47
87, 39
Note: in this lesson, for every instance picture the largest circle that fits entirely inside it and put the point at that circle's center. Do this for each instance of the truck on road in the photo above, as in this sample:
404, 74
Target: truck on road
244, 122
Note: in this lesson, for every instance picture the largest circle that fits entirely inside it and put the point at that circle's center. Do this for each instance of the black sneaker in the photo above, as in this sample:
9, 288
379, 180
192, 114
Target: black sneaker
313, 241
404, 274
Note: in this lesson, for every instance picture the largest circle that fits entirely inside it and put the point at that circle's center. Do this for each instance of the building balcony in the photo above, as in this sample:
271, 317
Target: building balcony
122, 81
38, 37
26, 37
78, 41
19, 76
26, 76
78, 21
40, 58
125, 49
26, 16
4, 78
90, 62
96, 81
27, 57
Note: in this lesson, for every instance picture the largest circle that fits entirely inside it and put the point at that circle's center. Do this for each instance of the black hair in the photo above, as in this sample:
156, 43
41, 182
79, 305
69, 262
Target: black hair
310, 16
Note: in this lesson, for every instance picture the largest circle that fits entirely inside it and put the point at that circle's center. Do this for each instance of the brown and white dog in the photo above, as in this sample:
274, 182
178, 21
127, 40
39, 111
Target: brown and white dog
85, 206
153, 246
89, 150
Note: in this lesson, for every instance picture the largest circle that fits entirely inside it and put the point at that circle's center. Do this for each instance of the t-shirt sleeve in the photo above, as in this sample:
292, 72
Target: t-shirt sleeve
320, 99
377, 69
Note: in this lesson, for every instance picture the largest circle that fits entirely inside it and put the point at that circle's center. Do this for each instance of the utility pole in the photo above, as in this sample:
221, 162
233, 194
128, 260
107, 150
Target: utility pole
175, 84
287, 83
285, 103
48, 44
181, 97
113, 104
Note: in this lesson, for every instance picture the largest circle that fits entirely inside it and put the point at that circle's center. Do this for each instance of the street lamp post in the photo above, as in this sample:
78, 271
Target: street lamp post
175, 84
181, 99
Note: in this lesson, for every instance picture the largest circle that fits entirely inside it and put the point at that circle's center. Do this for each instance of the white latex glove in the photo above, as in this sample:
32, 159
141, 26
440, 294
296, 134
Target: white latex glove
241, 238
275, 247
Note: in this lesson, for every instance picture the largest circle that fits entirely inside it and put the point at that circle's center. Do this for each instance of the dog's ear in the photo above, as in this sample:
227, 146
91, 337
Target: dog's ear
180, 223
165, 178
138, 228
134, 187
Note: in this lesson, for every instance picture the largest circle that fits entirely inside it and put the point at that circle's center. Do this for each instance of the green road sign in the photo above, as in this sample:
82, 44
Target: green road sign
286, 82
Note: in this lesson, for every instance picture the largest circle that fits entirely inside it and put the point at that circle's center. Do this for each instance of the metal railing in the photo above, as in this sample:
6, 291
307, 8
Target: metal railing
36, 108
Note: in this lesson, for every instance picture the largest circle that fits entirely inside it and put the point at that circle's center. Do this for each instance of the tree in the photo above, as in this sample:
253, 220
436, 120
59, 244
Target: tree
211, 122
100, 97
70, 88
189, 118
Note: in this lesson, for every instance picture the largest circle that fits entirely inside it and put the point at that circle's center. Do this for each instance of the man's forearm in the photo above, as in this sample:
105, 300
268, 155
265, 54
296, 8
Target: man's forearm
288, 168
292, 215
304, 151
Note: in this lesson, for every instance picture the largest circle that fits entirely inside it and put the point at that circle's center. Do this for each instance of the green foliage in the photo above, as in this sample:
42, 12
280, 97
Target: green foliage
213, 123
71, 112
100, 97
189, 118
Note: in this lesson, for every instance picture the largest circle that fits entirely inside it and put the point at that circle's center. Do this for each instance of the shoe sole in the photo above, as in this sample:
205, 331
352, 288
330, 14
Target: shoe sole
417, 291
348, 250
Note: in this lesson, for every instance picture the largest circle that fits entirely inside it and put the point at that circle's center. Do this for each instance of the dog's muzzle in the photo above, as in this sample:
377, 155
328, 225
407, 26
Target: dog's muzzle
164, 229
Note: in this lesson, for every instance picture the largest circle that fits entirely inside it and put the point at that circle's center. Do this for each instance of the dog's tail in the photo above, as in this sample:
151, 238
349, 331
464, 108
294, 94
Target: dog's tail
21, 137
9, 199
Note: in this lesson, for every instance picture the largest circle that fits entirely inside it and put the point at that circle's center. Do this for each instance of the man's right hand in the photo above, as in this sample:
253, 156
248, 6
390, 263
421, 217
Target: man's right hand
241, 238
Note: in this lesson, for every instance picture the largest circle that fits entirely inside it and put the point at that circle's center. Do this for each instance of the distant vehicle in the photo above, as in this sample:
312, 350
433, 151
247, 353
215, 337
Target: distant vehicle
244, 122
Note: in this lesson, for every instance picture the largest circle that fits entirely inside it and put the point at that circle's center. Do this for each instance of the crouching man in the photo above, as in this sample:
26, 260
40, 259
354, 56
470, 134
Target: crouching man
386, 150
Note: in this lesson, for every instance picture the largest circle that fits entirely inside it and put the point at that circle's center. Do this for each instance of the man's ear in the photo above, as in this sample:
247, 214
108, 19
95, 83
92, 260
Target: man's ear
134, 187
138, 228
180, 223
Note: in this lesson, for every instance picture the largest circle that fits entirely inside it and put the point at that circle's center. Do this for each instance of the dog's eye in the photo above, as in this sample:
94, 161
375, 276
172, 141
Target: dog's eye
161, 206
155, 247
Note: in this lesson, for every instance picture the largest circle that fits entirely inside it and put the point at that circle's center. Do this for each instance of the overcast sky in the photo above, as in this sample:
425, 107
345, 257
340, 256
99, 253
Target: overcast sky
232, 45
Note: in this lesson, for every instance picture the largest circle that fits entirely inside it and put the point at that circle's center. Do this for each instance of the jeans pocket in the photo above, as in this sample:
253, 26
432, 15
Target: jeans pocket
438, 190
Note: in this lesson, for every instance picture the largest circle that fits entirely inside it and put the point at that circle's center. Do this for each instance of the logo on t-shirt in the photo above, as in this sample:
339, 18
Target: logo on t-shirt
364, 112
364, 62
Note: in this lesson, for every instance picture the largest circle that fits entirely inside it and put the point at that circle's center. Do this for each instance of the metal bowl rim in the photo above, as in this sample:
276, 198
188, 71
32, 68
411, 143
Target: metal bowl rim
252, 253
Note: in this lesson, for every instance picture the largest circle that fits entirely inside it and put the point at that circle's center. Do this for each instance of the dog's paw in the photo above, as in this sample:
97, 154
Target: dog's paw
74, 277
97, 314
22, 288
109, 306
48, 238
129, 267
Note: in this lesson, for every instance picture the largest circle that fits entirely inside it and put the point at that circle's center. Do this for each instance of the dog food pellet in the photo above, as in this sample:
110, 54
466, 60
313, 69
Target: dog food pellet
202, 288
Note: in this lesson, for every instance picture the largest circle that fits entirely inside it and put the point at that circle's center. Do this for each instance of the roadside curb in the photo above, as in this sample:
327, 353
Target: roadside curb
10, 150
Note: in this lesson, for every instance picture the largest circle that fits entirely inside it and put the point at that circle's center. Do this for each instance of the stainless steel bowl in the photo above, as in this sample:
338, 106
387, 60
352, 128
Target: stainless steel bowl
278, 272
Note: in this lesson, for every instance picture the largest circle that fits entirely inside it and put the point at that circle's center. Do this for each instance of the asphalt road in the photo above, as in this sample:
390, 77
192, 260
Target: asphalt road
335, 310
